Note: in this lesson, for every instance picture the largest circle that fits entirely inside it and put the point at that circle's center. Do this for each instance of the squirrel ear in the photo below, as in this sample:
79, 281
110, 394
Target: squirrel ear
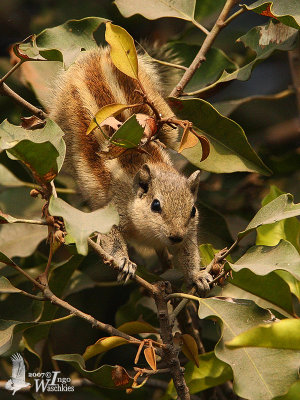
194, 181
142, 179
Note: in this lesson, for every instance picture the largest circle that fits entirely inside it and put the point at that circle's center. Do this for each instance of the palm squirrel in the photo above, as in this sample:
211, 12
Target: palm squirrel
155, 202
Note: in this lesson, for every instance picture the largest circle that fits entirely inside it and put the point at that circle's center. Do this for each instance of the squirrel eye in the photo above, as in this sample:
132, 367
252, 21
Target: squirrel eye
155, 206
193, 212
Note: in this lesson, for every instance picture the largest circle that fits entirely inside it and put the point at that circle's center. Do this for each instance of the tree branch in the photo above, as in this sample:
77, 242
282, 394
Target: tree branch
49, 295
170, 353
206, 45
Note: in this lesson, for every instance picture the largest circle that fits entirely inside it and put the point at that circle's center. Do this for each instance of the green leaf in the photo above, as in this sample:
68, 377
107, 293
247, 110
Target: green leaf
41, 150
292, 394
280, 208
269, 287
129, 134
230, 150
288, 229
64, 42
21, 240
287, 11
122, 50
10, 333
254, 368
205, 8
263, 41
7, 287
159, 8
7, 178
81, 225
211, 372
103, 376
207, 253
278, 335
262, 260
136, 327
109, 110
102, 345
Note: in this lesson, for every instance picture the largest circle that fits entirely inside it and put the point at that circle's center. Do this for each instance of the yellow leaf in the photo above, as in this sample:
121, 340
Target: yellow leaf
122, 50
109, 110
188, 140
190, 349
134, 327
102, 345
149, 354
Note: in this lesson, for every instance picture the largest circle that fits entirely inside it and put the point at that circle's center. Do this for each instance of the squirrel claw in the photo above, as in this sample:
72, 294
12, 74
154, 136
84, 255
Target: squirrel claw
202, 281
127, 269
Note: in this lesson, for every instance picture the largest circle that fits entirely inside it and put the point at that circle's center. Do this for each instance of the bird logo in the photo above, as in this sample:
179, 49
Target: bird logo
17, 380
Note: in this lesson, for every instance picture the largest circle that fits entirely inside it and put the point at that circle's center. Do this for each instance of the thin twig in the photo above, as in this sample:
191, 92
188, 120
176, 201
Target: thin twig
30, 221
16, 66
206, 45
32, 296
49, 295
201, 27
7, 91
58, 190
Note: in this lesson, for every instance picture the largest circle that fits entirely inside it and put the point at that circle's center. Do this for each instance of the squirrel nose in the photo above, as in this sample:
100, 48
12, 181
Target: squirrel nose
175, 239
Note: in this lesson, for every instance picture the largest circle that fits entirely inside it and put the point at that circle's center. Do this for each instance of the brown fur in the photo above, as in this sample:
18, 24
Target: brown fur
133, 180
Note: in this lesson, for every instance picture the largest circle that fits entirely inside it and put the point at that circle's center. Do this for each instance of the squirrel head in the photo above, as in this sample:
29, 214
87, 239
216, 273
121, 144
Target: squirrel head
164, 210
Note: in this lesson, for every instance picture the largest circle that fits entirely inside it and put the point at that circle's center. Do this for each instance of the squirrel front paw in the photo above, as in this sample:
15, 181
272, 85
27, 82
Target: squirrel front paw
127, 269
202, 280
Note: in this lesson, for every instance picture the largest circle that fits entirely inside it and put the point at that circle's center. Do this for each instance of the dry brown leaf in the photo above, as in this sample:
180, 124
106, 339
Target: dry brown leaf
188, 140
149, 353
190, 349
32, 123
120, 376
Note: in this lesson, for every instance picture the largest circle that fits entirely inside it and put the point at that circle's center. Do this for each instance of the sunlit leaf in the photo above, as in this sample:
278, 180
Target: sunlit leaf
230, 150
278, 335
280, 208
135, 327
210, 373
7, 287
288, 229
105, 112
64, 42
102, 345
122, 50
253, 368
150, 357
80, 224
41, 150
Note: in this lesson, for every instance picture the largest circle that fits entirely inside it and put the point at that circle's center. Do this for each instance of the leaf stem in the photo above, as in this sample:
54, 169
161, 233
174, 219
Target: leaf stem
201, 27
